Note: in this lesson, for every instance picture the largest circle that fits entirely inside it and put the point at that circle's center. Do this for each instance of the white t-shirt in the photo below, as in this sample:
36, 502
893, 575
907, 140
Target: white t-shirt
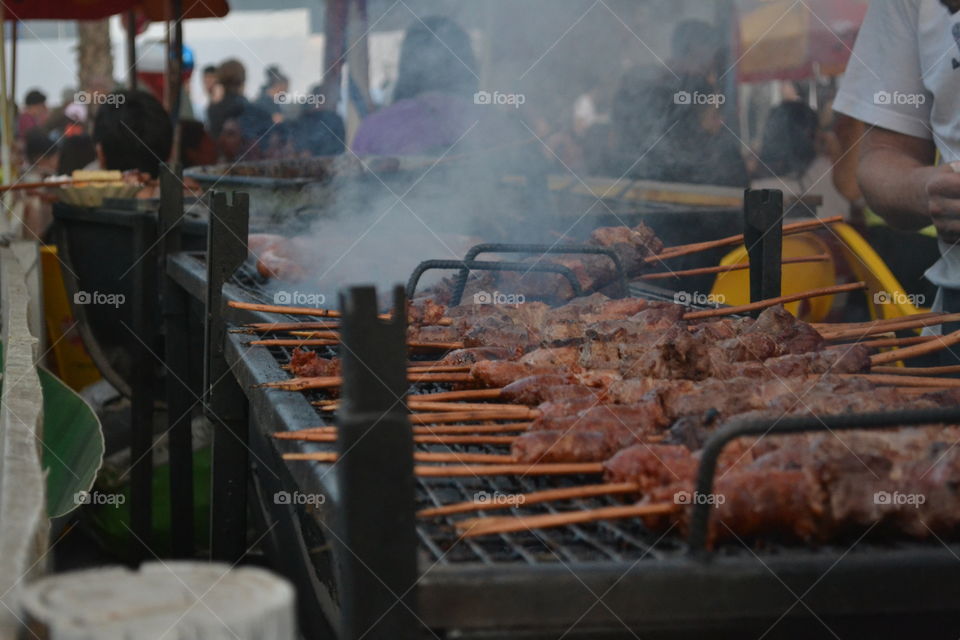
904, 75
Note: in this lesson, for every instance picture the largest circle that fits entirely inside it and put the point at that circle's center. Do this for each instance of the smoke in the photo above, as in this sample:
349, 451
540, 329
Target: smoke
481, 173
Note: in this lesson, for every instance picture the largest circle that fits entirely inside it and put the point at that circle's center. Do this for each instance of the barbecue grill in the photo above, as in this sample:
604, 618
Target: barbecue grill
606, 579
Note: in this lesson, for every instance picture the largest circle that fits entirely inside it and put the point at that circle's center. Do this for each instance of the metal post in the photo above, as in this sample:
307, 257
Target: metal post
224, 400
132, 49
177, 353
763, 236
144, 298
375, 474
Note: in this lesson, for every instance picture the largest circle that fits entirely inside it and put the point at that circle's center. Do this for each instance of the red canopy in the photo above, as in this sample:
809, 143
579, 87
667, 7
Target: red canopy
788, 40
156, 10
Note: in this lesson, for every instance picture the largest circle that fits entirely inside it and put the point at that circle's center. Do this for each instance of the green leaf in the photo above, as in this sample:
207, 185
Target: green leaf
72, 444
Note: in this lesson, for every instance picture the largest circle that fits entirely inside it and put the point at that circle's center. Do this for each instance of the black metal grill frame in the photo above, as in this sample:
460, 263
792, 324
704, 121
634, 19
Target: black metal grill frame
505, 585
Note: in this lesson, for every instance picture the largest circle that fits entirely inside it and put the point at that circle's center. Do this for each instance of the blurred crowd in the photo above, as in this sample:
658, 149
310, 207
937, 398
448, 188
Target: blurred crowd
669, 123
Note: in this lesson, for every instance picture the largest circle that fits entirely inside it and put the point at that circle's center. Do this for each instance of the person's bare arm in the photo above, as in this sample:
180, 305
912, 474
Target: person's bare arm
900, 183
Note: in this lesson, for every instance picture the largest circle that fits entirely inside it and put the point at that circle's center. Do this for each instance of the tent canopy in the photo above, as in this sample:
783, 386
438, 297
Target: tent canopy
789, 40
155, 10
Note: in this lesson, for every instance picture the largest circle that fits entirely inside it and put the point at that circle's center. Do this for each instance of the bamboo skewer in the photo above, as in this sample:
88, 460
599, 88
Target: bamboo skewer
441, 407
523, 499
452, 430
447, 417
823, 257
419, 456
475, 527
918, 371
886, 342
687, 249
909, 322
944, 342
306, 311
266, 327
422, 439
540, 469
329, 382
466, 394
825, 327
315, 342
904, 381
763, 304
17, 186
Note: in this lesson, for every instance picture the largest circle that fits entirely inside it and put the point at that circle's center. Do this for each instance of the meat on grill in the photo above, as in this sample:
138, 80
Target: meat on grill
309, 364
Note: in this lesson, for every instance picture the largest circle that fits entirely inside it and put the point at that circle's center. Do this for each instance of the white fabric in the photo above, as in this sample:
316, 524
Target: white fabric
904, 75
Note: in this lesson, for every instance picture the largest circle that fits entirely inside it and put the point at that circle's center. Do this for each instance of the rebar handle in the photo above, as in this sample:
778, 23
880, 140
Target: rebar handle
700, 518
500, 247
476, 265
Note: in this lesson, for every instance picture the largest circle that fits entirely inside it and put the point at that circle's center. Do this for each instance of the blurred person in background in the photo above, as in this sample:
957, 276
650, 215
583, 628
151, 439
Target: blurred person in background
319, 130
197, 148
696, 49
76, 152
275, 84
34, 113
133, 133
244, 137
232, 76
433, 100
42, 157
673, 131
789, 143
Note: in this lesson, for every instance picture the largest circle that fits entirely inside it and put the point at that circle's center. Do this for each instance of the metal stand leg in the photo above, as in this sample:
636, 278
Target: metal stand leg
144, 287
177, 353
224, 400
375, 474
763, 236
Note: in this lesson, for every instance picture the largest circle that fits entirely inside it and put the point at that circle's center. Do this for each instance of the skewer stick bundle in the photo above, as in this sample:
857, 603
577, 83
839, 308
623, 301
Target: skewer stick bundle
473, 429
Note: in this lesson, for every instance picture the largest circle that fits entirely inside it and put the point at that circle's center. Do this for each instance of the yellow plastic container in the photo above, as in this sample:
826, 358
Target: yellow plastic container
887, 297
71, 362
